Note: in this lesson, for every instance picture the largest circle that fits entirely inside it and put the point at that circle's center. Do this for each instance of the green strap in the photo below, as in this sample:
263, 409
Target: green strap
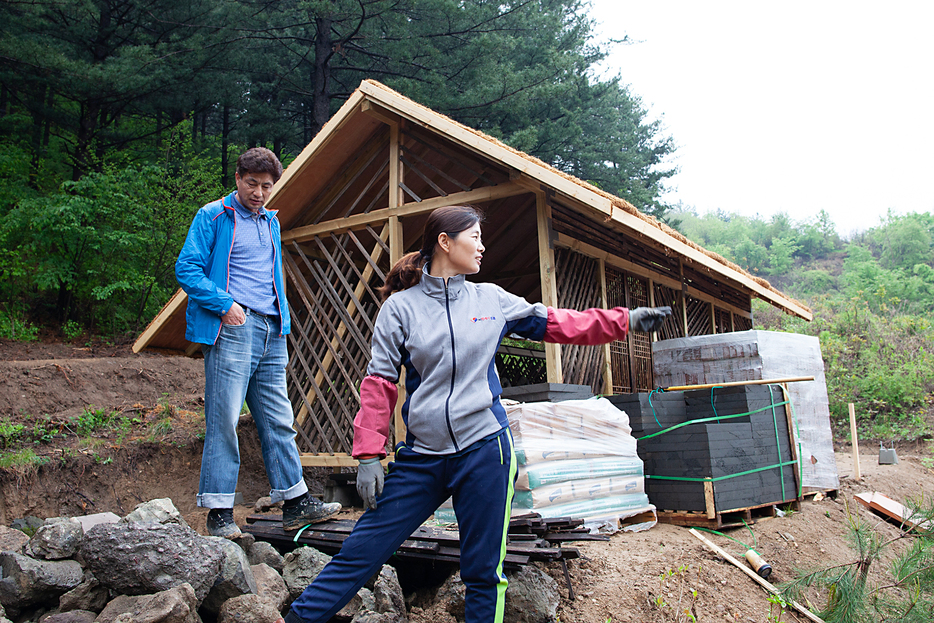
708, 419
299, 533
719, 478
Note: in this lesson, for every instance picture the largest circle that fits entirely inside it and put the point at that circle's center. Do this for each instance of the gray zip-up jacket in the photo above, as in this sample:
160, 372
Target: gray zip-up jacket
446, 336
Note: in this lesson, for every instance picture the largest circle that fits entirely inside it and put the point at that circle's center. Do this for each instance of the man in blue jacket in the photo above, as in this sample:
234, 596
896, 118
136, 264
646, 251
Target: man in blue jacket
231, 269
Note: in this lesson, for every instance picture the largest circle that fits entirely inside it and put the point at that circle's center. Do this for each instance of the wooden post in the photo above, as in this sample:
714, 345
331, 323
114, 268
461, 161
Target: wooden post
604, 302
856, 473
684, 298
546, 265
396, 245
709, 504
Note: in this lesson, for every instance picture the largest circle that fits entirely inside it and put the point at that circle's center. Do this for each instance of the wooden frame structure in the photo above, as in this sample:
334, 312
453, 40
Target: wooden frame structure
356, 199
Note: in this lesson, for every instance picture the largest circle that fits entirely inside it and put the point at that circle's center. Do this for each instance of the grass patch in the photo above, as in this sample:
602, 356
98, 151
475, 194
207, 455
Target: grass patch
22, 460
10, 433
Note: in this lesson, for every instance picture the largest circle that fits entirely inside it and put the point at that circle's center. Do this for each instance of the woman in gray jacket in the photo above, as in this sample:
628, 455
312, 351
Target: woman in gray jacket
445, 331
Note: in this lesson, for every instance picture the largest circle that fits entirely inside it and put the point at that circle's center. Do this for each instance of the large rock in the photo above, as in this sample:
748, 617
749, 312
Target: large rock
368, 616
176, 605
120, 605
302, 566
28, 581
72, 616
271, 585
89, 595
161, 511
59, 538
137, 558
12, 540
450, 595
89, 521
363, 601
235, 577
248, 609
263, 552
388, 594
531, 597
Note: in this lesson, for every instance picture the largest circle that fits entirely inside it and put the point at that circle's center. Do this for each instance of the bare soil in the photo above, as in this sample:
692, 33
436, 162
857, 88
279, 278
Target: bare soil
662, 574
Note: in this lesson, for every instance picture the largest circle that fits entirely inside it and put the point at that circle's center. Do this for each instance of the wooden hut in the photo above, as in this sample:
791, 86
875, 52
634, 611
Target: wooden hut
356, 199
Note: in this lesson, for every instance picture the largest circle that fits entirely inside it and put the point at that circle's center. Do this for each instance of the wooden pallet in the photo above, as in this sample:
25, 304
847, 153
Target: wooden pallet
733, 518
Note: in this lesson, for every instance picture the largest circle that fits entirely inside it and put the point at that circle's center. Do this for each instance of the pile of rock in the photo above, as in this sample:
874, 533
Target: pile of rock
151, 567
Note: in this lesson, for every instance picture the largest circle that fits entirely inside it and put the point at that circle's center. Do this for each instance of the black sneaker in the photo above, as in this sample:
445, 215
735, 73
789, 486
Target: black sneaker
221, 523
301, 511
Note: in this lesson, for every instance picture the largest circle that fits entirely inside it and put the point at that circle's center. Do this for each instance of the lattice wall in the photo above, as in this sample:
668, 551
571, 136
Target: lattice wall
578, 284
698, 313
741, 323
723, 319
674, 324
331, 280
630, 359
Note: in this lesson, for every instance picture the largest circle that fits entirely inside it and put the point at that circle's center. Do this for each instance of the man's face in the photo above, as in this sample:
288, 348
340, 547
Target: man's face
253, 190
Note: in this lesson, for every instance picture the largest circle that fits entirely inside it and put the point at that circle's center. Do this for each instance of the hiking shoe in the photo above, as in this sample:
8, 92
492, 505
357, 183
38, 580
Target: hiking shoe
221, 523
301, 511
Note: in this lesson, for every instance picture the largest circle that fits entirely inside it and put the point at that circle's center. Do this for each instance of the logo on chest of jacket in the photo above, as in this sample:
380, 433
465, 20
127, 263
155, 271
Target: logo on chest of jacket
482, 318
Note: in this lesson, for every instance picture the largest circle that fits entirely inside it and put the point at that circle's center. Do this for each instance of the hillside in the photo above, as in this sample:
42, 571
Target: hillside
636, 577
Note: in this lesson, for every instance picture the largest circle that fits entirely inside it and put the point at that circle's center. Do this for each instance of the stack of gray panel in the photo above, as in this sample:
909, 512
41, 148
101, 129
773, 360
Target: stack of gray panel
547, 392
762, 355
677, 461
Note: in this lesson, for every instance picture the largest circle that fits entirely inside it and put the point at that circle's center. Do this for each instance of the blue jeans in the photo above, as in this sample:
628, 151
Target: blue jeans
480, 479
247, 362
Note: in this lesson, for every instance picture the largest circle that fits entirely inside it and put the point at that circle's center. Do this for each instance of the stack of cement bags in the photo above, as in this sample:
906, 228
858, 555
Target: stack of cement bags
577, 458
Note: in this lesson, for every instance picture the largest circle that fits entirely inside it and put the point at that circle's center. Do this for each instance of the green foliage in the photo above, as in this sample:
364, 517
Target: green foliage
675, 585
101, 251
96, 420
10, 433
22, 460
871, 299
906, 594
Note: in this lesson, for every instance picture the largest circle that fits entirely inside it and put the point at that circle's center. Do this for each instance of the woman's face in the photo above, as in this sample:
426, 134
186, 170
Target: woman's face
465, 252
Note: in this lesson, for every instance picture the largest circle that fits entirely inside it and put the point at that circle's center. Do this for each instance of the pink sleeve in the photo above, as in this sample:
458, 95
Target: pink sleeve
371, 426
588, 327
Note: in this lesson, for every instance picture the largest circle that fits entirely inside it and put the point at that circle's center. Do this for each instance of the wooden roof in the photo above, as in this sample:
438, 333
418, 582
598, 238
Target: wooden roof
354, 143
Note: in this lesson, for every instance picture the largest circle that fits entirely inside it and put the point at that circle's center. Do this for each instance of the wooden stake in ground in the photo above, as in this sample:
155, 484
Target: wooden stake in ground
745, 569
856, 473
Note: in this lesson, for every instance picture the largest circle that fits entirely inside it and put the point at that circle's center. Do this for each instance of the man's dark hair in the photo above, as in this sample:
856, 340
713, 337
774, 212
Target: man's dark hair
259, 160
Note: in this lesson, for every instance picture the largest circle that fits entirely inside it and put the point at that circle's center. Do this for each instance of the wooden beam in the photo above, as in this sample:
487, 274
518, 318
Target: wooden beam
604, 303
546, 264
396, 251
564, 240
357, 221
175, 303
378, 112
337, 459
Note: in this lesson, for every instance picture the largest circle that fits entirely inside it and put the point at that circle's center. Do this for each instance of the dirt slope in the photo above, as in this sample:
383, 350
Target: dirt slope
647, 576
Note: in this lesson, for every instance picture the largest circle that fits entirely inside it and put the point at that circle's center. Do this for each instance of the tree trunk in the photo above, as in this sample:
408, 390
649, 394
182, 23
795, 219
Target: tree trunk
321, 104
225, 147
38, 120
87, 127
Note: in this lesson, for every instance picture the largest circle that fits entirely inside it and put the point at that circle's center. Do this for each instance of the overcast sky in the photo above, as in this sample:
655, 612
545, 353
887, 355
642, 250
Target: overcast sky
787, 106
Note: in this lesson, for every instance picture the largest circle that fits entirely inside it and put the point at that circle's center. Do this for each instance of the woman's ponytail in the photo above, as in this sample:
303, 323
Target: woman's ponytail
404, 274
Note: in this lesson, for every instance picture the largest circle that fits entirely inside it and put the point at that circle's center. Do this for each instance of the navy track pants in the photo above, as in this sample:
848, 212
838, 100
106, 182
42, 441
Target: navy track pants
480, 479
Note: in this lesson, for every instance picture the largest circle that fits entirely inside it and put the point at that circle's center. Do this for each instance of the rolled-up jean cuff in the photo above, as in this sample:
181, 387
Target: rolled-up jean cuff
291, 493
216, 500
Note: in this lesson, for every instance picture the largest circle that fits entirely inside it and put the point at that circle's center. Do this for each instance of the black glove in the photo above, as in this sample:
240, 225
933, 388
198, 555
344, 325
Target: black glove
370, 481
648, 319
